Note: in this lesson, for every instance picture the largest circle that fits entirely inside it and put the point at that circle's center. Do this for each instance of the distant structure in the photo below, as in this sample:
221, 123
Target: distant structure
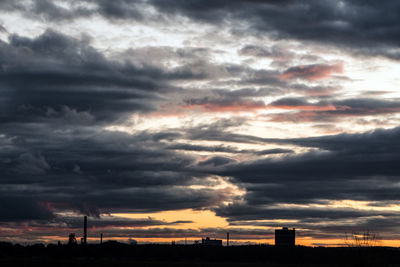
211, 242
84, 241
132, 242
227, 239
72, 239
285, 237
101, 238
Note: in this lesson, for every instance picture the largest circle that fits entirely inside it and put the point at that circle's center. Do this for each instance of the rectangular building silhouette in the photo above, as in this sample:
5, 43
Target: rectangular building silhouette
285, 237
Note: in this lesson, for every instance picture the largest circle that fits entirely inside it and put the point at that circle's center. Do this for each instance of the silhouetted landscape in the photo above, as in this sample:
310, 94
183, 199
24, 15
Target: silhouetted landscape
119, 254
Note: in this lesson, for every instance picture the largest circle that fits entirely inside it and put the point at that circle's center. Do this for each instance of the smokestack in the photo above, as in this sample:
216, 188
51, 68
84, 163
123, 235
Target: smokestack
101, 238
227, 239
85, 230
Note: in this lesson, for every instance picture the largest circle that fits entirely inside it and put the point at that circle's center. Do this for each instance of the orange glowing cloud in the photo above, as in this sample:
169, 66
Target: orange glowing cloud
312, 72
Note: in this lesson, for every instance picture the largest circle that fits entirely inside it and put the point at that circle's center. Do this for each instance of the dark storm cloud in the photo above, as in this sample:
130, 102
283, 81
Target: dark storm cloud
112, 222
55, 77
61, 225
248, 92
332, 110
359, 167
54, 87
243, 212
52, 11
216, 161
224, 104
107, 172
343, 155
365, 27
92, 171
102, 222
58, 94
312, 72
379, 141
274, 151
226, 149
23, 208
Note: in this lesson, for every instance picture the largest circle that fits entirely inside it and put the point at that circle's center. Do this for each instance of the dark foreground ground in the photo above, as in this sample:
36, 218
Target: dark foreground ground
116, 254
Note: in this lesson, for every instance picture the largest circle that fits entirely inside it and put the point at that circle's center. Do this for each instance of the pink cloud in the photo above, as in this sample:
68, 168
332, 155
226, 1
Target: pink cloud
312, 72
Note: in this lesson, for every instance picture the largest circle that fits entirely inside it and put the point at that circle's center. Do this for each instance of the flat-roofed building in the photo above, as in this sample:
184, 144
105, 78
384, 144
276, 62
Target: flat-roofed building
285, 237
211, 242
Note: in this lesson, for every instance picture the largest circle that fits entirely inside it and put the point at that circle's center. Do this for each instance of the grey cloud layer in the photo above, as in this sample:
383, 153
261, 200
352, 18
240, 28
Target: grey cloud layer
354, 167
362, 26
365, 27
57, 95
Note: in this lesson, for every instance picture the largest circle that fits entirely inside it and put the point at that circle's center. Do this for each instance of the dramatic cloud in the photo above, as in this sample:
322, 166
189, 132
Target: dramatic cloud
300, 104
363, 27
358, 167
254, 115
325, 111
312, 72
221, 105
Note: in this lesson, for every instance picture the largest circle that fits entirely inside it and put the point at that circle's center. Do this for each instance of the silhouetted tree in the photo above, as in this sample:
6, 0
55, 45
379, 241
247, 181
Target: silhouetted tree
366, 238
72, 239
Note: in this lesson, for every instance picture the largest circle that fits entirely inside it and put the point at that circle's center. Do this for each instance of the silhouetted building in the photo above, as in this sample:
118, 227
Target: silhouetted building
285, 237
211, 242
132, 242
227, 239
72, 239
84, 230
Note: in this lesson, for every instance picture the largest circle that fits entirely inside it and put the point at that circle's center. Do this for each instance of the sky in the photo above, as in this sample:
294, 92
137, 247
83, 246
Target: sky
169, 120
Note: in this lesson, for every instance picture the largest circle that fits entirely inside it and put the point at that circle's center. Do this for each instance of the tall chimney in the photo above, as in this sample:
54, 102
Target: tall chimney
85, 230
227, 239
101, 238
